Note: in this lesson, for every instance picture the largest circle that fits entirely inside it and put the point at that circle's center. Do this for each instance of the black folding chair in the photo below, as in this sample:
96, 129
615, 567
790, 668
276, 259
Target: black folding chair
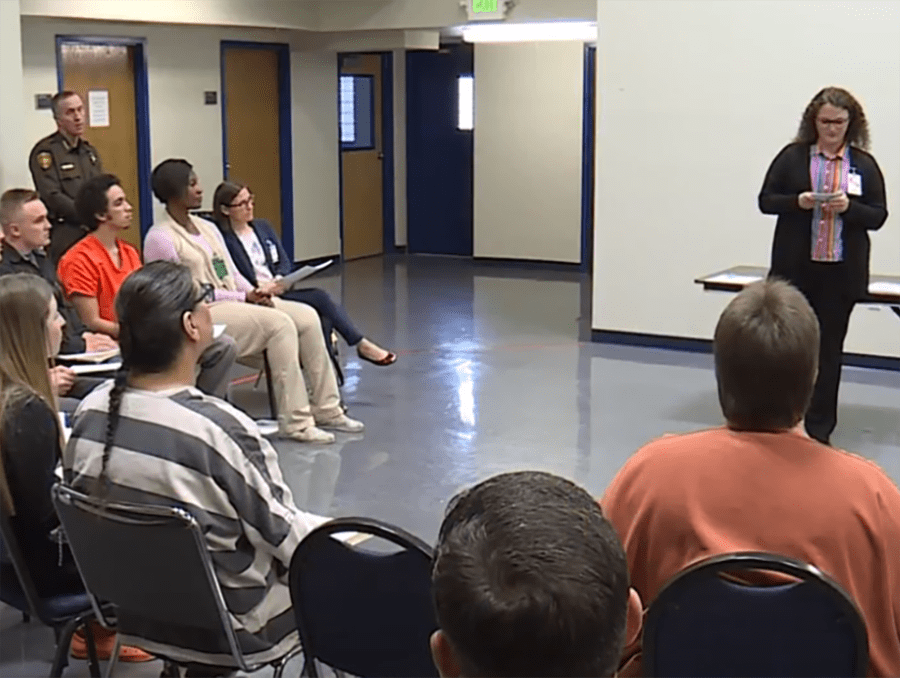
709, 621
65, 613
152, 565
363, 612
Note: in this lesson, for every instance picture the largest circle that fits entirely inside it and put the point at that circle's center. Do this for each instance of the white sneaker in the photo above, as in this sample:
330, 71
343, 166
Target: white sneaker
342, 423
313, 434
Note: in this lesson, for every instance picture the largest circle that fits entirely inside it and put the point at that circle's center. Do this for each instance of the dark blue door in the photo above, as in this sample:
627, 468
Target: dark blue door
438, 155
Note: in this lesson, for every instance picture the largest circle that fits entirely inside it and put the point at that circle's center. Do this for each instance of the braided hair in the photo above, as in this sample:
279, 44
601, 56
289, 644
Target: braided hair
150, 306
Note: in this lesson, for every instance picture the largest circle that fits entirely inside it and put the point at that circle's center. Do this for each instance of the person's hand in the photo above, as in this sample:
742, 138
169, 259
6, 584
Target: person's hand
94, 341
806, 200
273, 288
839, 204
61, 379
259, 298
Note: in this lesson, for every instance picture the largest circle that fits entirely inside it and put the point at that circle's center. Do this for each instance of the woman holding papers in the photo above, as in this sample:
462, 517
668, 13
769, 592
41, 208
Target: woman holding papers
286, 331
30, 446
828, 193
258, 254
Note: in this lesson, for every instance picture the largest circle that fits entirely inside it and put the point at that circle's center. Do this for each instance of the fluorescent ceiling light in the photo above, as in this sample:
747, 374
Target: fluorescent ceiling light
581, 31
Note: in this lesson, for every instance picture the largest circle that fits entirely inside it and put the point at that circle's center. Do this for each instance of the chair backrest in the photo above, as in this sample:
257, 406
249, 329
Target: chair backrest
724, 616
23, 592
362, 612
151, 563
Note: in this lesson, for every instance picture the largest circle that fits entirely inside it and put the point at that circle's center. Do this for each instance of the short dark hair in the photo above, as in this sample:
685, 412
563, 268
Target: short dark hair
530, 579
170, 179
58, 98
91, 199
857, 128
766, 348
13, 200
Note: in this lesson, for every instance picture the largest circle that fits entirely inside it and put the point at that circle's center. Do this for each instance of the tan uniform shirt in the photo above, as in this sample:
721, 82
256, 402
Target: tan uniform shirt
59, 170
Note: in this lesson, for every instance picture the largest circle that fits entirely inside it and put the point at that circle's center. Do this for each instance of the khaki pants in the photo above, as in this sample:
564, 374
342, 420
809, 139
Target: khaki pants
289, 333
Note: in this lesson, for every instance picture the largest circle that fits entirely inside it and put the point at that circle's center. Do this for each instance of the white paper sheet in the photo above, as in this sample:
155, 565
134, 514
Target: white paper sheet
98, 108
93, 368
94, 357
884, 287
733, 279
302, 273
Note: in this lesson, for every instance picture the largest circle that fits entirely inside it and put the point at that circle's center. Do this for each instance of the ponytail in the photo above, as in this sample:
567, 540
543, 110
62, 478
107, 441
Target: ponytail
112, 422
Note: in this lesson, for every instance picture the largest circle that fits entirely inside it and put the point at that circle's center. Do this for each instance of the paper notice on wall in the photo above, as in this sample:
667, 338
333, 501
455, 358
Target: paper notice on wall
98, 108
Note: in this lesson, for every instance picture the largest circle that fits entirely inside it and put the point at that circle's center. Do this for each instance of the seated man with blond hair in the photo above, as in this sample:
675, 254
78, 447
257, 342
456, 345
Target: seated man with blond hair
759, 483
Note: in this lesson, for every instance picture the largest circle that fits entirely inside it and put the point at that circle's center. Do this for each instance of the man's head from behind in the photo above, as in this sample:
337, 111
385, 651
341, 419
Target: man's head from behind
23, 218
766, 351
530, 579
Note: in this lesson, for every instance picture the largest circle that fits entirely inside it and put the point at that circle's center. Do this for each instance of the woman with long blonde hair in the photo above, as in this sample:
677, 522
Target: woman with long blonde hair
30, 443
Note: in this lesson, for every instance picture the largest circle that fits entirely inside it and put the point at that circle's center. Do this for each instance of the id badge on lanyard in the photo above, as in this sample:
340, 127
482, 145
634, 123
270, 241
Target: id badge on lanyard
854, 182
219, 267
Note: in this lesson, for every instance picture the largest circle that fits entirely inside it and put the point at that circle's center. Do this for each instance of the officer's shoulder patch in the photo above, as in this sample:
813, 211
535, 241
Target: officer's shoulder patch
45, 159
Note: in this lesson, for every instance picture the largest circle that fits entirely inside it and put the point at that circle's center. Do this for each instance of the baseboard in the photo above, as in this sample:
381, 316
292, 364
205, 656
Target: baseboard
541, 264
690, 345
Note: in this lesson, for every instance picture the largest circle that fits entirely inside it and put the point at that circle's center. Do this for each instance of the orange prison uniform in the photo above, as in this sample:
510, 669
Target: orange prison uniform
683, 498
88, 269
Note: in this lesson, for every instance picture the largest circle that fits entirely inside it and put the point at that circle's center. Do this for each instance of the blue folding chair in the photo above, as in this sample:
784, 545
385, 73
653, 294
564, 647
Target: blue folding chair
363, 612
65, 613
709, 621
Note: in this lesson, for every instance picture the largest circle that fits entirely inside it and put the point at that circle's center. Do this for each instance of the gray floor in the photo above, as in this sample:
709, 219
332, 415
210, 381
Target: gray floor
496, 372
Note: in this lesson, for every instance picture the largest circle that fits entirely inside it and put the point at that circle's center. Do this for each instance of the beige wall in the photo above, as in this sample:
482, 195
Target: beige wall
528, 150
695, 99
13, 171
183, 62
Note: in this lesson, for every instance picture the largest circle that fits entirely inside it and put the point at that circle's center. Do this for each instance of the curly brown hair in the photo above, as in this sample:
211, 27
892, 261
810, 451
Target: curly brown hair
858, 129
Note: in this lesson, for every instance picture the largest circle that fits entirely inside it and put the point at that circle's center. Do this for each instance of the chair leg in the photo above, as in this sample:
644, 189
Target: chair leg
63, 641
26, 617
93, 660
273, 410
281, 663
113, 658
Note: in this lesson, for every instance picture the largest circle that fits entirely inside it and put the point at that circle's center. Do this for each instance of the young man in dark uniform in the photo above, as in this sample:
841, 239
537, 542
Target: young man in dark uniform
60, 164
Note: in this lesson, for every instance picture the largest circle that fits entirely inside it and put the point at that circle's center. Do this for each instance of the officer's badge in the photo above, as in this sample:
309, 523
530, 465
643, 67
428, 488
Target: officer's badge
45, 160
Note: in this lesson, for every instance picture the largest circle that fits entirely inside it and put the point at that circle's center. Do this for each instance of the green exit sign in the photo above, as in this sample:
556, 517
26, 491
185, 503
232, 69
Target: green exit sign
483, 6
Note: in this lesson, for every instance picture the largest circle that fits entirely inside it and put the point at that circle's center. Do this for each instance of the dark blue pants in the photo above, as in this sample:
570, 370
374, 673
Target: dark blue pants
332, 316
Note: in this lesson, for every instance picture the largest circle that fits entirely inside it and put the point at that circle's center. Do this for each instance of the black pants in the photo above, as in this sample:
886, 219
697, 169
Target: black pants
332, 314
833, 306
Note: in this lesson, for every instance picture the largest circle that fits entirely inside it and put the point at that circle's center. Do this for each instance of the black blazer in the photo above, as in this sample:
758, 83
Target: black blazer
276, 258
788, 176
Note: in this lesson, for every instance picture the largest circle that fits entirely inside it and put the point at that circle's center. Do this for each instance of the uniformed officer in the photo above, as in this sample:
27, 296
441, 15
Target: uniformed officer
60, 164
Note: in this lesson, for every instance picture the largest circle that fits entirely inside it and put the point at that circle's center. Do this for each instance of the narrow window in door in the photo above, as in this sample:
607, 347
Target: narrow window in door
357, 120
465, 112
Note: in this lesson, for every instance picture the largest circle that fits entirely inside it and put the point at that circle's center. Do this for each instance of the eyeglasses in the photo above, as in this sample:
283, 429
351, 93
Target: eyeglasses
207, 294
244, 203
838, 122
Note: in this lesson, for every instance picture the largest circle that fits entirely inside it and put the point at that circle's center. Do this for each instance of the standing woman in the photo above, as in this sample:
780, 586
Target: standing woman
828, 193
261, 259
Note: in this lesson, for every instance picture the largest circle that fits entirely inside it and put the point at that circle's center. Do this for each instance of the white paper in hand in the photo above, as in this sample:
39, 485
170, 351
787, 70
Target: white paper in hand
303, 273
